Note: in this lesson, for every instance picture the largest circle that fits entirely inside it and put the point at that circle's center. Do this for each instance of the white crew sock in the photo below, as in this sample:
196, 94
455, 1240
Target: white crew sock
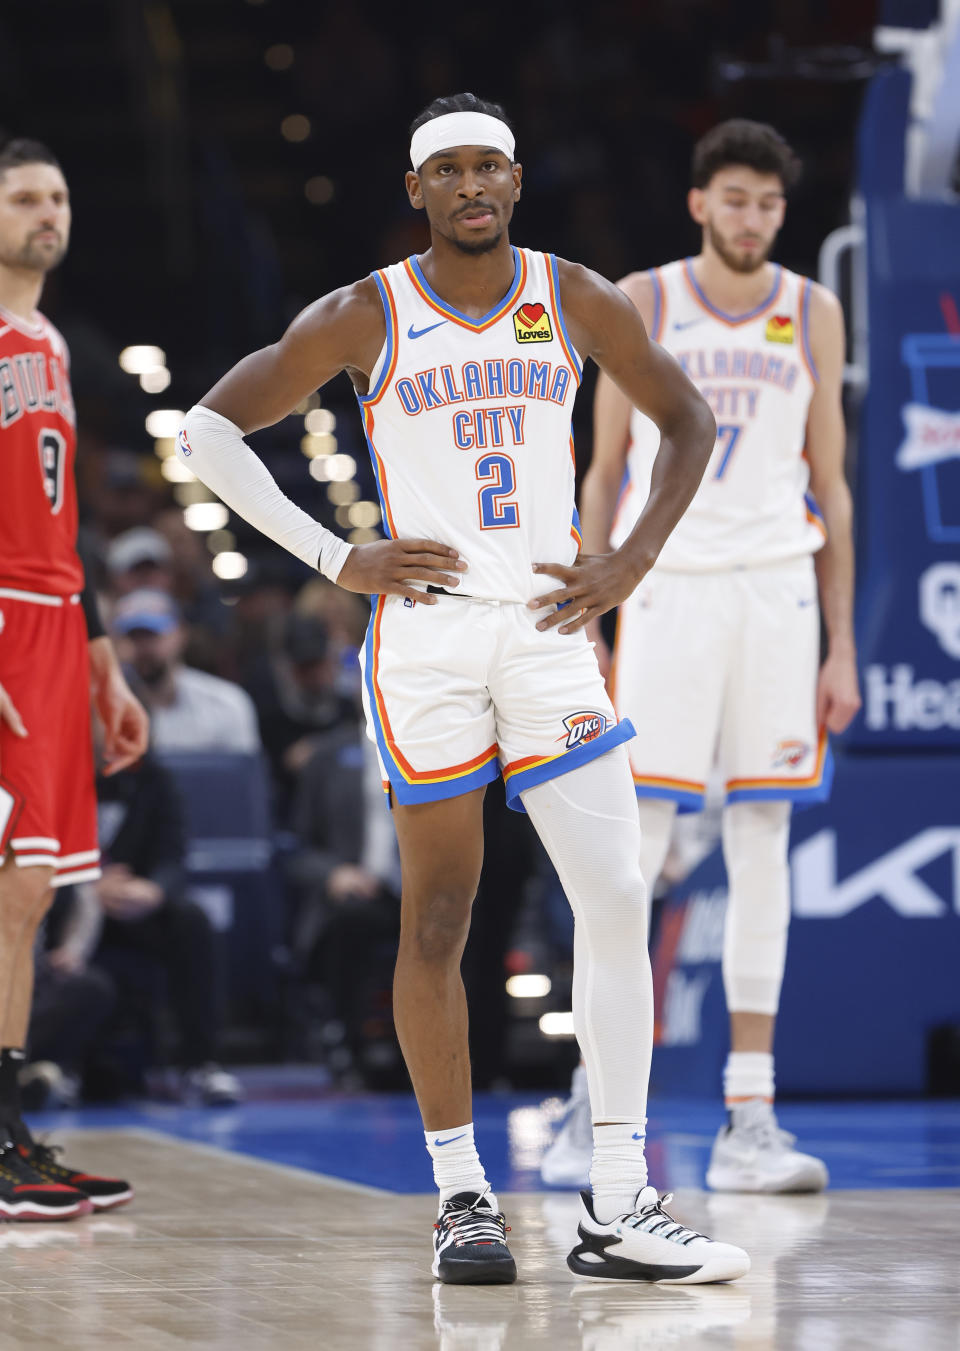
747, 1074
456, 1163
619, 1168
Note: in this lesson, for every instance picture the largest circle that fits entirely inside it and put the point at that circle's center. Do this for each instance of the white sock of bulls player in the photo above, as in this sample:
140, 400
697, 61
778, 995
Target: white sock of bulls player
456, 1163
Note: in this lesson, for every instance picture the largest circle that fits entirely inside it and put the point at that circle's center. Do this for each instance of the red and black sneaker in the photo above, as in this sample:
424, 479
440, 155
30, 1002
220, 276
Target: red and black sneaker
104, 1192
26, 1194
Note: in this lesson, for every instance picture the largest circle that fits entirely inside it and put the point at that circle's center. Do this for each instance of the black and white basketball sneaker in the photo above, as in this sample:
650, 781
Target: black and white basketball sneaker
470, 1244
649, 1245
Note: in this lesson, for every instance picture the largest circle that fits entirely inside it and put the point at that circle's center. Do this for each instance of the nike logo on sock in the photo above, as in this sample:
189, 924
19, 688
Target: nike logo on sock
441, 1143
636, 1136
419, 332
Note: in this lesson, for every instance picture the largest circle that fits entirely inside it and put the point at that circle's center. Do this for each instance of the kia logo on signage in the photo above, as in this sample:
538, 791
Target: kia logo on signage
894, 877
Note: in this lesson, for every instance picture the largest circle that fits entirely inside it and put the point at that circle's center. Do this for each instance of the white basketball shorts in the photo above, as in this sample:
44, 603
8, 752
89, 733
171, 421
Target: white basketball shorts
461, 691
721, 668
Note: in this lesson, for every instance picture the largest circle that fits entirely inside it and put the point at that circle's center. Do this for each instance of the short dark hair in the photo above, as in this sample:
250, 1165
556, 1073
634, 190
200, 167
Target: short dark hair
740, 141
20, 150
458, 103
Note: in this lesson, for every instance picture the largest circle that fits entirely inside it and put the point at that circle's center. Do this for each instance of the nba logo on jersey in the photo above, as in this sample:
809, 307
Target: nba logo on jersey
583, 727
183, 443
531, 323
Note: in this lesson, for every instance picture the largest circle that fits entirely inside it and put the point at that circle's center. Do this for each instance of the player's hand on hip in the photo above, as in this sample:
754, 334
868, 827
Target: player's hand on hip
593, 585
838, 691
387, 568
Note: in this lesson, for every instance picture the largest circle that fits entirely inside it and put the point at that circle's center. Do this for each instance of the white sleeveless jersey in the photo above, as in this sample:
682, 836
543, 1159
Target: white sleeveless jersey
468, 424
757, 374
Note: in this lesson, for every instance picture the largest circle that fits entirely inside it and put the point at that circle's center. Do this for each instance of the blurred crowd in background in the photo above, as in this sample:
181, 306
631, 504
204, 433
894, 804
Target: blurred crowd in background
229, 160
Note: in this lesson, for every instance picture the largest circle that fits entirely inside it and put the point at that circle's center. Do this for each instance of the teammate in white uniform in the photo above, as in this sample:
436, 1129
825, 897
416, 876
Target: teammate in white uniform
466, 361
718, 650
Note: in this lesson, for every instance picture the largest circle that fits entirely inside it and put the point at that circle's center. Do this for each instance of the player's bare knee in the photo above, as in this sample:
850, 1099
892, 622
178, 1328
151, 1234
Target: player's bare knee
439, 930
24, 892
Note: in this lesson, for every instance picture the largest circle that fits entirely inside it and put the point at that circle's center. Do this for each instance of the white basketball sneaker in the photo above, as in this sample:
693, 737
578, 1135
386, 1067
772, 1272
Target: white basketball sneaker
649, 1245
752, 1154
567, 1162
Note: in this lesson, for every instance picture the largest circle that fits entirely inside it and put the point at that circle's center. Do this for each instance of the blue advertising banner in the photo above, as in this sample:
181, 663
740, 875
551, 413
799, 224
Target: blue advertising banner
908, 491
874, 956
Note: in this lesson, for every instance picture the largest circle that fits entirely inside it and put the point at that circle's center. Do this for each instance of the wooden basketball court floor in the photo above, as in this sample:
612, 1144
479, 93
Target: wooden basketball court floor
223, 1250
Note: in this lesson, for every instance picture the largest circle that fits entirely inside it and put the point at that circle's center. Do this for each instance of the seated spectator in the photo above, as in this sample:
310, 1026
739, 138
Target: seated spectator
298, 700
347, 875
140, 559
132, 921
189, 710
345, 617
169, 557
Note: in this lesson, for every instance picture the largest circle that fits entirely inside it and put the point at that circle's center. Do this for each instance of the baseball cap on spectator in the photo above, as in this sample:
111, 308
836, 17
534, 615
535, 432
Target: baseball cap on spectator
155, 611
136, 546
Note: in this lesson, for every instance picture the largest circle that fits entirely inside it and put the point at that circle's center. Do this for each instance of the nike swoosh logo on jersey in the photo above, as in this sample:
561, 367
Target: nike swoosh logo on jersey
419, 332
689, 323
441, 1143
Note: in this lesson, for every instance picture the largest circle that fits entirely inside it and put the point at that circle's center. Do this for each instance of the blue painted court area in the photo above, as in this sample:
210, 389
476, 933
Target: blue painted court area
377, 1139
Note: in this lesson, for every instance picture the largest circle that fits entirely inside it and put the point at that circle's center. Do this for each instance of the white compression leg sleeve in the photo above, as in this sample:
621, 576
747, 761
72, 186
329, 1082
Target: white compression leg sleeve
587, 820
756, 836
213, 448
656, 824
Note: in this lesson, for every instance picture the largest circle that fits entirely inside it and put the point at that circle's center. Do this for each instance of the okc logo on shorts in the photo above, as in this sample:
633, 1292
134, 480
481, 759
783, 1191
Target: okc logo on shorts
531, 323
583, 727
790, 753
183, 443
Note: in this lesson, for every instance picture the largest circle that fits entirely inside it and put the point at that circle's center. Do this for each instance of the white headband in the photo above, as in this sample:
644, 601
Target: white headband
442, 133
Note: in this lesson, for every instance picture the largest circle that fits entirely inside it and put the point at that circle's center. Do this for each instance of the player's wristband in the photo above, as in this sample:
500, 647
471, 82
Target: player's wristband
91, 611
88, 596
213, 448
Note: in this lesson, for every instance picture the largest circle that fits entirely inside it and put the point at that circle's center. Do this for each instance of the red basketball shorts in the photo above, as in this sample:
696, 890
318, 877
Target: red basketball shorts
48, 803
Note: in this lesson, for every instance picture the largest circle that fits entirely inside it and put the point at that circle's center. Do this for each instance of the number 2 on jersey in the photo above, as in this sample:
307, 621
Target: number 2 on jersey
497, 472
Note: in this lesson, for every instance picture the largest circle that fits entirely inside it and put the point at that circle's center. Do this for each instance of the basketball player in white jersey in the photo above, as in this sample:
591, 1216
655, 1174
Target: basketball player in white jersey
717, 650
465, 362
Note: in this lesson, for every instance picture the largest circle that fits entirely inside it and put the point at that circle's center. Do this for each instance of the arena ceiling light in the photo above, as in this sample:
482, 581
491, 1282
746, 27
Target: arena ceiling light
320, 422
175, 471
529, 986
155, 381
229, 566
205, 516
557, 1024
163, 422
139, 359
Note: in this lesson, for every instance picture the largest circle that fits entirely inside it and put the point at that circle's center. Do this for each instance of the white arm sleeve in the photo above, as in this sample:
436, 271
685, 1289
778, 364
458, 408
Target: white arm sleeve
213, 449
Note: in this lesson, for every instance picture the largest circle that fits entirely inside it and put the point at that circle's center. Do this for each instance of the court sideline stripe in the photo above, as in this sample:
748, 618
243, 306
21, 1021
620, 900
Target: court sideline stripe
291, 1170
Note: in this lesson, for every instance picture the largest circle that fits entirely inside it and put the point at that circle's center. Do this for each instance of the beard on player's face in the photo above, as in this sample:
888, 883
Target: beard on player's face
476, 246
734, 257
34, 256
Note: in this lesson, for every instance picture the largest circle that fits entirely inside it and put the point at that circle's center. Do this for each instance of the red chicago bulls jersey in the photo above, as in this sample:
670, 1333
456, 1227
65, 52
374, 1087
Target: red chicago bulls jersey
38, 498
